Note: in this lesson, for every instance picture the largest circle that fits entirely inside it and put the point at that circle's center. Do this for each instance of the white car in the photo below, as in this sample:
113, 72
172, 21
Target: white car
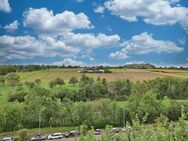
55, 136
7, 139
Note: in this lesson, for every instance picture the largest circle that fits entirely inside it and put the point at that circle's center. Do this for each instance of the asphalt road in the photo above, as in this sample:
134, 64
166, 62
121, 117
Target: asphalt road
74, 139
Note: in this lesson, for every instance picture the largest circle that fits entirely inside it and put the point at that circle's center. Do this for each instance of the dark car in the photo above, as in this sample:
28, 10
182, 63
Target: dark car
38, 138
72, 134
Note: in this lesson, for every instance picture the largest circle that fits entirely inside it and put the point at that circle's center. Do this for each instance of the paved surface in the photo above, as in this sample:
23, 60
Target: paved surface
73, 139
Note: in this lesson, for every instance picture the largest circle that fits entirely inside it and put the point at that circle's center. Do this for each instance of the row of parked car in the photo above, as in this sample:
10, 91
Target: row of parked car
55, 136
63, 135
70, 134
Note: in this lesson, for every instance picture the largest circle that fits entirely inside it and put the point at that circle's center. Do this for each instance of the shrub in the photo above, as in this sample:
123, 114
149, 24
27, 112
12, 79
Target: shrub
23, 134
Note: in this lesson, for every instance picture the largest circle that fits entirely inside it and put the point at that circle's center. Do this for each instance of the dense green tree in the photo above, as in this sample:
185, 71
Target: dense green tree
120, 89
38, 81
13, 79
18, 94
13, 117
85, 80
23, 135
73, 80
59, 81
51, 84
2, 80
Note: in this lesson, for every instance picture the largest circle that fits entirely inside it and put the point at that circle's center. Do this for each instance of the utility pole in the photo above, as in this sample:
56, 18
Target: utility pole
124, 117
39, 121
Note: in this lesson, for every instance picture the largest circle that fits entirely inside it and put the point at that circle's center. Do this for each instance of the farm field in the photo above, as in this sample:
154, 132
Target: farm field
132, 74
47, 75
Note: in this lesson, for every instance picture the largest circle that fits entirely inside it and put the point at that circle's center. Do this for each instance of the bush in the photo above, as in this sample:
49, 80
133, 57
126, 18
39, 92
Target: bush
23, 134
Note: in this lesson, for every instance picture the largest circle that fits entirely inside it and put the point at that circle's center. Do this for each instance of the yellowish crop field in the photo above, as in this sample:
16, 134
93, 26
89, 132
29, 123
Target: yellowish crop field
132, 74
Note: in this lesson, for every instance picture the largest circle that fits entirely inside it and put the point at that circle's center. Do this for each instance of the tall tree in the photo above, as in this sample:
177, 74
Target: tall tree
2, 80
73, 80
59, 81
13, 79
38, 81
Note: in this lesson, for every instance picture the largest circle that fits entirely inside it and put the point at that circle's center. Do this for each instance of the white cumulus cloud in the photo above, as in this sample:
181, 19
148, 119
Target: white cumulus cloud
25, 47
12, 26
69, 62
156, 12
99, 9
144, 44
66, 45
4, 6
89, 40
44, 21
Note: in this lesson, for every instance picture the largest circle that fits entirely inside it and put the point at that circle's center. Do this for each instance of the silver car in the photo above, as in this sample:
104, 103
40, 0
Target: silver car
55, 136
7, 139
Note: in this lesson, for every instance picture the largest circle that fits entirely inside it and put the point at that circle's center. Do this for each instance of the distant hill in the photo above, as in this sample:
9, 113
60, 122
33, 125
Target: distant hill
139, 66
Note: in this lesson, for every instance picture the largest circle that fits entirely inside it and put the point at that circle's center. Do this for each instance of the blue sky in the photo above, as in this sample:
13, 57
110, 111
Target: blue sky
94, 32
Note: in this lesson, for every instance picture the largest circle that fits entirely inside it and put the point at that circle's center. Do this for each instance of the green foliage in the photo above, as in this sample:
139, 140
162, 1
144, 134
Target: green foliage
18, 94
2, 80
57, 81
171, 87
13, 79
161, 130
10, 118
120, 89
84, 103
23, 135
38, 81
85, 80
73, 80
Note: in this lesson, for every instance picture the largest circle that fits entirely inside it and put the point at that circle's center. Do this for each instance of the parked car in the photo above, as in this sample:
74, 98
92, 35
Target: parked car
38, 138
72, 134
7, 139
97, 131
65, 134
55, 136
115, 130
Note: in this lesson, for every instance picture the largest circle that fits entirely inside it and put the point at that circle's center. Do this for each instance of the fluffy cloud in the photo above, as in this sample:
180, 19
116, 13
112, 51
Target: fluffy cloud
61, 22
22, 47
144, 44
90, 41
4, 6
12, 26
66, 45
156, 12
99, 9
68, 62
134, 62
